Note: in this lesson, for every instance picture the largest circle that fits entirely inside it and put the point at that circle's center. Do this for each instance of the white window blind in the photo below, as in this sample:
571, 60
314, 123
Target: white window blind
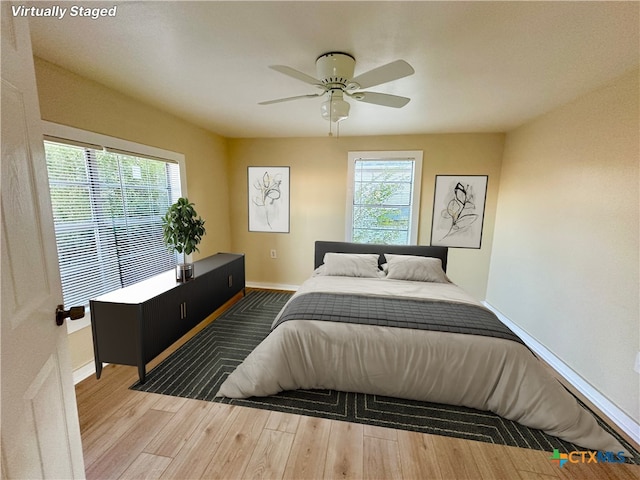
107, 209
384, 198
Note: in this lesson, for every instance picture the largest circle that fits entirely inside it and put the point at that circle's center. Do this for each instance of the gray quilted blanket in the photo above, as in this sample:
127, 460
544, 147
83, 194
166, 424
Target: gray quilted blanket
397, 312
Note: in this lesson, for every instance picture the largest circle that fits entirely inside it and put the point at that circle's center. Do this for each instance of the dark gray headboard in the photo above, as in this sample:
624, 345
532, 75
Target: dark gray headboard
323, 247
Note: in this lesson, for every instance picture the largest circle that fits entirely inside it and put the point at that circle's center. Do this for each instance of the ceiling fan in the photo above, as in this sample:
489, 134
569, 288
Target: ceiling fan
335, 78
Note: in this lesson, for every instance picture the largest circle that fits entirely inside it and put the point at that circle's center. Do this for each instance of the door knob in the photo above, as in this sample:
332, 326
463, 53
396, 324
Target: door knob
74, 313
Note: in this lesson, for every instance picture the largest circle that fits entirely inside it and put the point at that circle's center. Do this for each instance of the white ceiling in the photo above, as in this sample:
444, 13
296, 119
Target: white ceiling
479, 66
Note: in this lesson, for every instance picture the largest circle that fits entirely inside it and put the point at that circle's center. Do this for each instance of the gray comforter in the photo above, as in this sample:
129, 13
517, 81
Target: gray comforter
477, 371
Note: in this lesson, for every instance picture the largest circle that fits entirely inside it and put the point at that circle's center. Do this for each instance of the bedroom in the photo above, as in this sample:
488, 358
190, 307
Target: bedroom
562, 293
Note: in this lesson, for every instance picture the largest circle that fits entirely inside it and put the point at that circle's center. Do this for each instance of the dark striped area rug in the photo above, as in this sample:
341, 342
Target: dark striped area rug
198, 368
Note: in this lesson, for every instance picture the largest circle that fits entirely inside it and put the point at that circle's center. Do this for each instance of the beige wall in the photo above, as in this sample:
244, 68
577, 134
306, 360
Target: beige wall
318, 198
71, 100
565, 255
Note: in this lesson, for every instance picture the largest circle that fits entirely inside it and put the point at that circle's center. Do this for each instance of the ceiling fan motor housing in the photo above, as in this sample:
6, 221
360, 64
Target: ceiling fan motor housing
335, 69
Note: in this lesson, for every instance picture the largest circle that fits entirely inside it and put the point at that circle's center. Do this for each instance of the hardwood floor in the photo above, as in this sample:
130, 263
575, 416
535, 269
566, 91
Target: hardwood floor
133, 435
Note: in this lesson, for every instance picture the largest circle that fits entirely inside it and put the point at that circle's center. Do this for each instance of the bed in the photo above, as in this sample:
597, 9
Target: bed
386, 320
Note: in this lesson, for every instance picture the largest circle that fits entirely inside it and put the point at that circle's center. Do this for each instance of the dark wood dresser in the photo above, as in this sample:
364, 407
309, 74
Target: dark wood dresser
131, 326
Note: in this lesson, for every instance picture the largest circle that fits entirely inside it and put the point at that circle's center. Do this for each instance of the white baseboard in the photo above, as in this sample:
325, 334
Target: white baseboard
608, 408
273, 286
83, 372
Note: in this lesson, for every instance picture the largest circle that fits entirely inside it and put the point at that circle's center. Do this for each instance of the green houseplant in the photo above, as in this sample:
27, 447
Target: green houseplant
182, 230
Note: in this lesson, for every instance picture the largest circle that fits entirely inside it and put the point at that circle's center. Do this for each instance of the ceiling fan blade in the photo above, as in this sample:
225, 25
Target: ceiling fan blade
287, 99
380, 99
385, 73
292, 72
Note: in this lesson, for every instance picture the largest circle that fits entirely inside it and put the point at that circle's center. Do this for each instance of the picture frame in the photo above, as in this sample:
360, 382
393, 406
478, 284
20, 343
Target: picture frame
458, 210
269, 199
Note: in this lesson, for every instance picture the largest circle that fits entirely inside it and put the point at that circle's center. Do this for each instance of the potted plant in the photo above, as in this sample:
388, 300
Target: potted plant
182, 232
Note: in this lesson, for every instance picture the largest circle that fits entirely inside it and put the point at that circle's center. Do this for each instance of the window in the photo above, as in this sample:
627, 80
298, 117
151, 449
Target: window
107, 210
383, 197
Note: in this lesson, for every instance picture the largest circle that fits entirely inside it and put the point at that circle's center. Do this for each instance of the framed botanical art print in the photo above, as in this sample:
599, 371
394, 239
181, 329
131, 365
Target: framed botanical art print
458, 210
269, 198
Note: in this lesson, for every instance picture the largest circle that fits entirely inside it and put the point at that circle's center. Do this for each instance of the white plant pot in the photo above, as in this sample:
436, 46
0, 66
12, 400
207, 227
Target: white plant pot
184, 272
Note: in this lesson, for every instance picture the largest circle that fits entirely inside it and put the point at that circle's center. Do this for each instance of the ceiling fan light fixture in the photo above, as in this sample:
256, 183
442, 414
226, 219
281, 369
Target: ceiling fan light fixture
335, 109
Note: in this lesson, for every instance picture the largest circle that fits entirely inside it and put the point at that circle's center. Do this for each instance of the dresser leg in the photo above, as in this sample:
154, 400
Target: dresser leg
142, 373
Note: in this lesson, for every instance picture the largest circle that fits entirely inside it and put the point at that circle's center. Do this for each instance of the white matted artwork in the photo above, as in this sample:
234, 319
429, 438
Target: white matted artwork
269, 197
458, 210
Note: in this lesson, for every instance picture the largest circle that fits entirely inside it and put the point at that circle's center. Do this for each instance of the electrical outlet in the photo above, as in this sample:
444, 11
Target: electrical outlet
636, 367
274, 254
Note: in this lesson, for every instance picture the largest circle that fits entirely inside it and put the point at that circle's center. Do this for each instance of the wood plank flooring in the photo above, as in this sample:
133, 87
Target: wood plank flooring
136, 435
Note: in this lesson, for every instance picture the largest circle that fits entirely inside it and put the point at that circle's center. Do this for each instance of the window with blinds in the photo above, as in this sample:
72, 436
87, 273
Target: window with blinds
384, 198
107, 210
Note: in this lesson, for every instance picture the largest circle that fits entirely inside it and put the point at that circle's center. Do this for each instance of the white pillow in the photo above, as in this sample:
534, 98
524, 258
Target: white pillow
351, 265
417, 269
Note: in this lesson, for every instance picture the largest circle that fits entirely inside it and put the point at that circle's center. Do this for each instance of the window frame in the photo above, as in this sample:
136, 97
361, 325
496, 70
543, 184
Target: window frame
64, 134
411, 155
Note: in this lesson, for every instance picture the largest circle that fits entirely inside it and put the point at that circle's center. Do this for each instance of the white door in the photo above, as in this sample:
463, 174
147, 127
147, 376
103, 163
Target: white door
40, 429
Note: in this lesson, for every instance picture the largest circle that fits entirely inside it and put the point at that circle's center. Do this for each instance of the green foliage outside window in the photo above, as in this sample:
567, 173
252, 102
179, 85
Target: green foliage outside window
381, 209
